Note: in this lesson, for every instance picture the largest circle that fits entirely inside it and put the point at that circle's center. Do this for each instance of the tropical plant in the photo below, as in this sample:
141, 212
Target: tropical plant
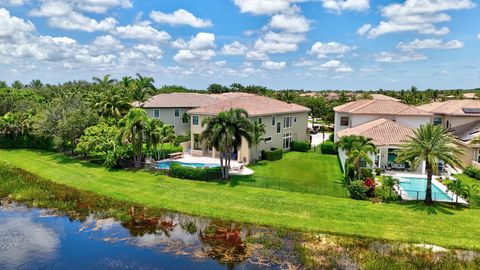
430, 144
132, 132
35, 84
143, 87
389, 182
460, 188
114, 106
3, 84
106, 81
126, 81
225, 132
258, 130
361, 151
17, 85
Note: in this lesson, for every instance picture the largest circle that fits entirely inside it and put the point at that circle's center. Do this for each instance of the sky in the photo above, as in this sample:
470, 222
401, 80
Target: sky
281, 44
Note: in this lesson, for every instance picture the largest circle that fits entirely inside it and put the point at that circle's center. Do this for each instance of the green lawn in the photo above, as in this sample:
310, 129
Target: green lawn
302, 172
408, 222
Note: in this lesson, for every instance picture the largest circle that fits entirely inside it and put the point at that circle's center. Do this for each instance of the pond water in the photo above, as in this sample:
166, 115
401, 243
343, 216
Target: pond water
33, 238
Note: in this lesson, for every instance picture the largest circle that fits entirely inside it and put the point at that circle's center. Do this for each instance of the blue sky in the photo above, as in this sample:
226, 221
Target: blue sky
318, 44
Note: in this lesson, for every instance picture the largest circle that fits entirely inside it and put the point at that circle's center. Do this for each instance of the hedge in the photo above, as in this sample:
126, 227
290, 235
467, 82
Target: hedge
300, 146
183, 172
328, 148
472, 172
274, 154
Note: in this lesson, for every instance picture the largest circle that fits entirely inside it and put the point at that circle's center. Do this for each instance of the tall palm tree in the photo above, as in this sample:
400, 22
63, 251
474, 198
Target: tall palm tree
17, 84
167, 135
114, 106
105, 81
430, 144
126, 81
143, 87
132, 132
36, 84
258, 130
225, 132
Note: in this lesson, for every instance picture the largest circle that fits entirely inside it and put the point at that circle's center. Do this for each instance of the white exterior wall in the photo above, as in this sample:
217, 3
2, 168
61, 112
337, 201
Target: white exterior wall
456, 121
414, 121
359, 119
167, 116
298, 131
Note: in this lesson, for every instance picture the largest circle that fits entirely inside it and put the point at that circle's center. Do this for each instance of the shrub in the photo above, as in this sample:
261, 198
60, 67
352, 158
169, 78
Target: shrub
366, 173
472, 172
328, 148
173, 149
370, 184
378, 171
274, 154
183, 172
300, 146
358, 190
181, 138
331, 137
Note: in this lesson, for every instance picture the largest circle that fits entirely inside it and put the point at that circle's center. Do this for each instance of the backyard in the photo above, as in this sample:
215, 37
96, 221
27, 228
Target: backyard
310, 172
410, 222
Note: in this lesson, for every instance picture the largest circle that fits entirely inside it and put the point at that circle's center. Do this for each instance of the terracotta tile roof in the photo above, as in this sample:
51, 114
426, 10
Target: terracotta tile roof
385, 107
253, 104
382, 131
179, 100
384, 97
453, 107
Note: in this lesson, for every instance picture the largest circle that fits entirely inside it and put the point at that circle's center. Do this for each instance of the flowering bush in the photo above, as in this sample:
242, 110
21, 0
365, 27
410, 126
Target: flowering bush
370, 185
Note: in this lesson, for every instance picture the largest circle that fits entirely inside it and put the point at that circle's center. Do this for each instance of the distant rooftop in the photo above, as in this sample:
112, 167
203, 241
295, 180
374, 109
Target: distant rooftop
187, 100
382, 131
465, 107
385, 107
253, 104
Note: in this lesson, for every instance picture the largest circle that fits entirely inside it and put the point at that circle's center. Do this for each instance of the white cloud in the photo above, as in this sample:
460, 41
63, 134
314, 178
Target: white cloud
364, 29
264, 7
179, 17
292, 23
234, 48
418, 44
256, 55
151, 51
199, 48
417, 16
13, 28
62, 15
388, 57
478, 36
141, 31
272, 65
273, 42
108, 42
322, 50
349, 5
303, 63
335, 66
102, 6
13, 2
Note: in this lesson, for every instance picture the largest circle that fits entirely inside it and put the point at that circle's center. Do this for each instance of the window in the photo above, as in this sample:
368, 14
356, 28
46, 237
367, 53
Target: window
287, 140
273, 120
177, 113
447, 124
185, 118
437, 120
478, 156
287, 122
156, 113
260, 120
343, 121
267, 139
294, 119
195, 120
279, 127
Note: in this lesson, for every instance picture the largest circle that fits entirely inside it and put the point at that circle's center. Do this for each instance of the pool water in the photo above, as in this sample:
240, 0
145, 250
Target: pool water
165, 165
413, 186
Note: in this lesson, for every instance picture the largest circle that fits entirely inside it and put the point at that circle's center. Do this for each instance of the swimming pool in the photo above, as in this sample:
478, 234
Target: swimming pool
413, 188
165, 165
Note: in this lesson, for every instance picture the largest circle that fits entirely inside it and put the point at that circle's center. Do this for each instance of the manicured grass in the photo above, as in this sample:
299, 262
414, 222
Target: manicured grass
409, 222
301, 172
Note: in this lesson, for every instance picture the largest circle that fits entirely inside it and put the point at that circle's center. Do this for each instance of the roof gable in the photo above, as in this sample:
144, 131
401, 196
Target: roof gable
380, 107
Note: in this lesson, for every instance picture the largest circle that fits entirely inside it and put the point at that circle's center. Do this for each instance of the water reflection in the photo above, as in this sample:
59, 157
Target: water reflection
23, 241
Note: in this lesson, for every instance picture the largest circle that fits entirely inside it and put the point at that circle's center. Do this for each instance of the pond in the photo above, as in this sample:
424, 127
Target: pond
33, 238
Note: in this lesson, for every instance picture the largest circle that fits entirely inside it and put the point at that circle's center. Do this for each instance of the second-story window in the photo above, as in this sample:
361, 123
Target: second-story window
344, 121
195, 120
177, 113
260, 120
437, 120
287, 122
156, 113
273, 120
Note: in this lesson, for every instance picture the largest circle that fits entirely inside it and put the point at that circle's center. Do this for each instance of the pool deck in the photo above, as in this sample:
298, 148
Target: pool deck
435, 182
235, 165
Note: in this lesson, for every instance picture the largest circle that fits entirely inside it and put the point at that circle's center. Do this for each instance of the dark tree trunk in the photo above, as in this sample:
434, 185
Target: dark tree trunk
428, 191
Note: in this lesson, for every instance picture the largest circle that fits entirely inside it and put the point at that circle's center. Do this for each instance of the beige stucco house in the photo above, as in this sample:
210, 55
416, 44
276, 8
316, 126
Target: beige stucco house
284, 122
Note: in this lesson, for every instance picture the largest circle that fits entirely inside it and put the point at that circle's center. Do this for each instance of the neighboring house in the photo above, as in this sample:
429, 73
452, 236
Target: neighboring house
379, 97
462, 118
388, 123
284, 122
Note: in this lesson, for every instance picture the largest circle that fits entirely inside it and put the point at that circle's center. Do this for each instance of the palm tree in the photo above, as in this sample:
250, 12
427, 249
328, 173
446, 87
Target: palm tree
36, 84
132, 132
361, 150
287, 96
17, 85
430, 144
115, 106
389, 182
258, 130
126, 81
105, 81
225, 132
460, 189
167, 134
143, 87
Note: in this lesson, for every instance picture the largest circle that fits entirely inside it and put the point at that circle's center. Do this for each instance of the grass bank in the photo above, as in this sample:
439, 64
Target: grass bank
408, 222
